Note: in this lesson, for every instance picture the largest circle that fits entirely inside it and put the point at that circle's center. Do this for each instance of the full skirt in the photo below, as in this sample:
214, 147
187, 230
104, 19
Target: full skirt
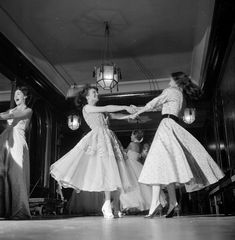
175, 156
96, 163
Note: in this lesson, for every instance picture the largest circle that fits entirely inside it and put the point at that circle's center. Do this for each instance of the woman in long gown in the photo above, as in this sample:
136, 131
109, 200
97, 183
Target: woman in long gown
14, 158
97, 162
175, 156
140, 197
144, 152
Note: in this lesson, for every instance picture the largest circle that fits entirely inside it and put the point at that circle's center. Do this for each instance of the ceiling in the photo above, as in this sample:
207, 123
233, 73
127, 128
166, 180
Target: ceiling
149, 39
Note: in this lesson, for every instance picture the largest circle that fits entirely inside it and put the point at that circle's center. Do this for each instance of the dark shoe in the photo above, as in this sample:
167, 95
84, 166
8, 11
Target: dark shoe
155, 212
164, 210
174, 211
118, 214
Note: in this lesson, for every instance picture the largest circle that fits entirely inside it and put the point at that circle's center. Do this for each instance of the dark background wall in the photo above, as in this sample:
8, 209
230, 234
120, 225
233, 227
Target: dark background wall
219, 75
221, 128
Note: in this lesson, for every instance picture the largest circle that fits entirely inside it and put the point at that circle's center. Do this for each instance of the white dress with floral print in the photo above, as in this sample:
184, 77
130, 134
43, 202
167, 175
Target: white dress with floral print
175, 156
97, 162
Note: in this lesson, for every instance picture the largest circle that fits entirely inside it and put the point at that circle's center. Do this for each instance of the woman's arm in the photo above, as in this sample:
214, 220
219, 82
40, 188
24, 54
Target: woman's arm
155, 109
16, 114
153, 104
118, 116
5, 112
108, 108
4, 116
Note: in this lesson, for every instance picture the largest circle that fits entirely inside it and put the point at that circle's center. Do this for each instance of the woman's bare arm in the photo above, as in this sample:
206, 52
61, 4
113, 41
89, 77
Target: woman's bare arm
16, 114
108, 108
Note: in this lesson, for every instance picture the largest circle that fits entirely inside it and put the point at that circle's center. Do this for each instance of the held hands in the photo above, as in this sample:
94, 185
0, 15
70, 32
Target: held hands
135, 108
134, 114
131, 109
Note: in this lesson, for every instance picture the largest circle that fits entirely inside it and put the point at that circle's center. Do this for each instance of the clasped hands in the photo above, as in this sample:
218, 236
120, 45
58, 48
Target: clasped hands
132, 109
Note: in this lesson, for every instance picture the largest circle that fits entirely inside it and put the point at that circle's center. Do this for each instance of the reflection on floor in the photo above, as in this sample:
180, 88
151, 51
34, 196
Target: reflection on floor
129, 227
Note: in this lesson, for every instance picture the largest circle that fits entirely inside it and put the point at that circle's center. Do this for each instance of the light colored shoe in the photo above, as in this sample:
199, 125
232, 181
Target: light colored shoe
107, 210
154, 212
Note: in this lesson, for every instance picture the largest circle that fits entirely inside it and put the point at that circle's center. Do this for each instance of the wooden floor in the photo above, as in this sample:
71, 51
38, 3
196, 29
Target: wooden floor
129, 227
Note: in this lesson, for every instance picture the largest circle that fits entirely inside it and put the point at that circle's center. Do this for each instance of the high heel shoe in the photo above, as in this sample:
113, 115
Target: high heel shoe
107, 211
173, 211
156, 210
117, 214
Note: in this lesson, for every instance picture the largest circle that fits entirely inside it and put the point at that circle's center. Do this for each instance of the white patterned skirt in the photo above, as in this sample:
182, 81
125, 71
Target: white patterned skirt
95, 164
175, 156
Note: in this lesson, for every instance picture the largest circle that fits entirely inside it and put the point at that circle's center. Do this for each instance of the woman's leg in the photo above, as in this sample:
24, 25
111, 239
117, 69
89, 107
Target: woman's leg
172, 200
172, 194
116, 203
155, 198
162, 198
106, 208
107, 196
115, 200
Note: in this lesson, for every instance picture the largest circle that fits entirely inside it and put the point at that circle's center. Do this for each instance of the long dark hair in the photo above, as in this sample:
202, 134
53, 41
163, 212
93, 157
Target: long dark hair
190, 90
80, 99
26, 91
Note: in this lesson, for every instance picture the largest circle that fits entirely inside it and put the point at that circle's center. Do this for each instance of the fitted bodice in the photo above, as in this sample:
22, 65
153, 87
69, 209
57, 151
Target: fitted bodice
171, 101
18, 125
95, 120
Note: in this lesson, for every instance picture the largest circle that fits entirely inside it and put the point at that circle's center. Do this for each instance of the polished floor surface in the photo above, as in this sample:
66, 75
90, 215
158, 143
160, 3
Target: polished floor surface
129, 227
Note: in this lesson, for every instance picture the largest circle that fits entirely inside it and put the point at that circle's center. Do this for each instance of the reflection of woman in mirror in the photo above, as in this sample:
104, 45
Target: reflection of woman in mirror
140, 198
14, 158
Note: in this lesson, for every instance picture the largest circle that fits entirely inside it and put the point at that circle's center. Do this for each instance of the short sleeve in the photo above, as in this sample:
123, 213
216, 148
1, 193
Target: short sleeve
157, 101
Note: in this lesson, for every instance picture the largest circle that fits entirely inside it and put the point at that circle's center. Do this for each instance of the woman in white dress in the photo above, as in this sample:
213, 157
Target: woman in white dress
14, 158
140, 197
144, 152
175, 156
97, 162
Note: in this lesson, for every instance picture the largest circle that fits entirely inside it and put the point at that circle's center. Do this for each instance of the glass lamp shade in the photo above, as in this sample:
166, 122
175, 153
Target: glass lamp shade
74, 121
107, 76
189, 115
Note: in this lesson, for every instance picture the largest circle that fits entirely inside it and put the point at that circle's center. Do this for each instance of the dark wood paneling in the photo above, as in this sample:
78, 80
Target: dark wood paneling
227, 91
219, 83
221, 30
220, 88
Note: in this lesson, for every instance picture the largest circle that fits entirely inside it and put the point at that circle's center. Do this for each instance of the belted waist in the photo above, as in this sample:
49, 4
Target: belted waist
170, 116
